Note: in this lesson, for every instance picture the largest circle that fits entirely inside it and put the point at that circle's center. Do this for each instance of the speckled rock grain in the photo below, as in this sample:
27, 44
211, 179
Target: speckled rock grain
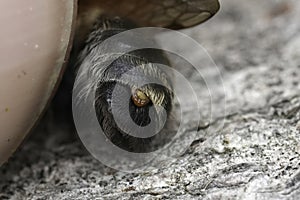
256, 155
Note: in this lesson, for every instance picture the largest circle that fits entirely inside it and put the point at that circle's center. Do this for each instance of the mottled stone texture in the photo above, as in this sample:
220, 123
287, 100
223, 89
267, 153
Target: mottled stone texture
256, 155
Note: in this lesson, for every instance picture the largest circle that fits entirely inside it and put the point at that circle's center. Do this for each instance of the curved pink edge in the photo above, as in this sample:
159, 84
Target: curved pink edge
36, 38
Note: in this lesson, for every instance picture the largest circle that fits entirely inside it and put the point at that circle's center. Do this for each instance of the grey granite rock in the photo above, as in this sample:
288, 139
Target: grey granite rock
255, 155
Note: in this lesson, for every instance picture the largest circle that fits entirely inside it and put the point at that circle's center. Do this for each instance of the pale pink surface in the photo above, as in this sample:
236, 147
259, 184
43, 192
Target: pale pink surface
34, 39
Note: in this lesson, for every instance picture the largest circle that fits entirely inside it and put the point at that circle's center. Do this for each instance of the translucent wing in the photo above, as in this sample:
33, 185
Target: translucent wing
163, 13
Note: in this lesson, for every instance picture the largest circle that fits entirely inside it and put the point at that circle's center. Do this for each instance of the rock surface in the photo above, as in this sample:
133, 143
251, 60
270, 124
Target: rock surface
256, 154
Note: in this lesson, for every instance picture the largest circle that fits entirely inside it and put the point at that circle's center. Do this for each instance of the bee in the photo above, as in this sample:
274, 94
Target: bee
99, 20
